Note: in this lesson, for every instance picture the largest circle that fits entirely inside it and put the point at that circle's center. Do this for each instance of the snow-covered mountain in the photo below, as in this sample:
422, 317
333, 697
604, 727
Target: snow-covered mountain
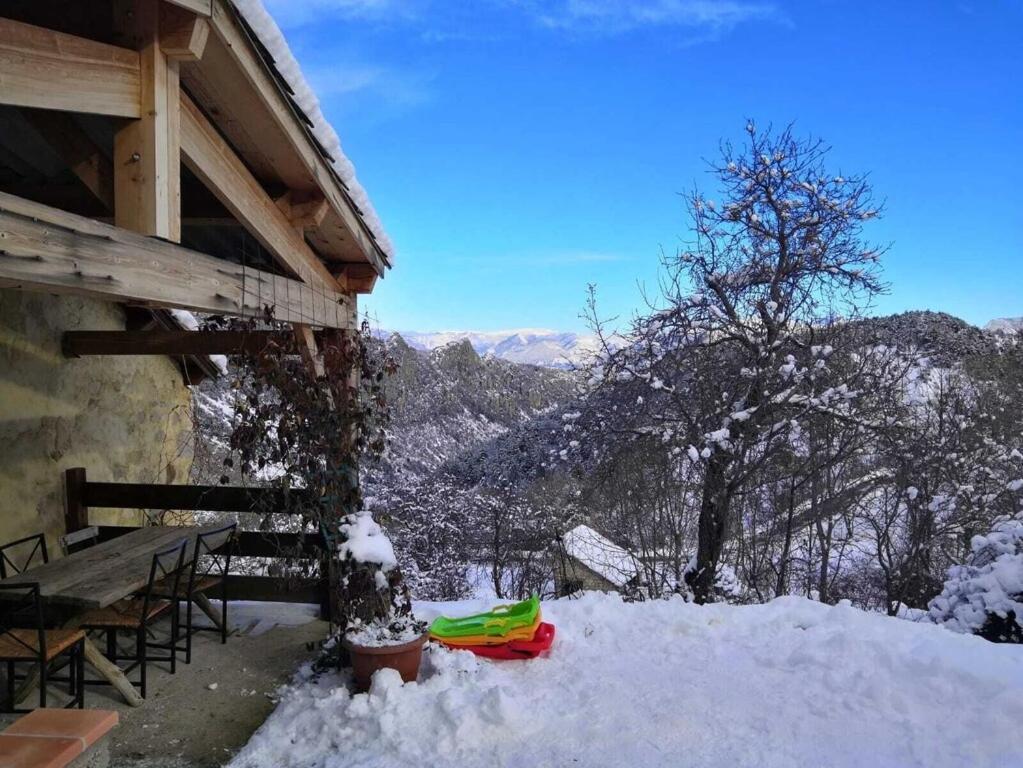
1005, 325
532, 346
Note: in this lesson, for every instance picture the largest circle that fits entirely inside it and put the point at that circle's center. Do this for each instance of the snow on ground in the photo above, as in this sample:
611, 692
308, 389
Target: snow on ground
255, 618
789, 683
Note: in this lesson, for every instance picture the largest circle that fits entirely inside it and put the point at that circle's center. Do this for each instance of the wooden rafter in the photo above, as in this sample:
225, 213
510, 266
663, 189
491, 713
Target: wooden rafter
74, 146
213, 161
52, 70
252, 75
46, 249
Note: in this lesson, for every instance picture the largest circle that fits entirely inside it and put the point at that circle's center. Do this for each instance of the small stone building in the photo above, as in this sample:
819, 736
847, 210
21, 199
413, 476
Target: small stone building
588, 560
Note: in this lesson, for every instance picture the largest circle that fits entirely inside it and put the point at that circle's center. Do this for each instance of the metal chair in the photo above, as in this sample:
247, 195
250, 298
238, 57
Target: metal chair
25, 640
211, 563
13, 559
137, 614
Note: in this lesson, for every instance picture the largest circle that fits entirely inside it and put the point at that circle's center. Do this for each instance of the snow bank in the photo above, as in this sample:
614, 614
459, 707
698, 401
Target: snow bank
272, 38
789, 683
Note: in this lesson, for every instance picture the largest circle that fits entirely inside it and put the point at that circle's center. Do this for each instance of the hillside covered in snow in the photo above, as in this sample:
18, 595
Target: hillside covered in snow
667, 683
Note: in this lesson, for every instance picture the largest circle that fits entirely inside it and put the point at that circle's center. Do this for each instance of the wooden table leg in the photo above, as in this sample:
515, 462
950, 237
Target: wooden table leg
113, 674
207, 607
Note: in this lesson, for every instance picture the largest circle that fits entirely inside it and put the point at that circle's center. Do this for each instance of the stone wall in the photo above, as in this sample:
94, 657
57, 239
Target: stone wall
125, 419
572, 576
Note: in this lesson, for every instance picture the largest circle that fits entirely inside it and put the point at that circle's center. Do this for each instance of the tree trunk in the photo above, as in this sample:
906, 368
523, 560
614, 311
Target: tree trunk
711, 535
781, 587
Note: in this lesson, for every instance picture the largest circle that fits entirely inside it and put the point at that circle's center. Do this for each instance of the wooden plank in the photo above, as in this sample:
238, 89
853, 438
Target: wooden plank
82, 156
147, 185
46, 249
244, 60
163, 342
76, 512
211, 498
117, 578
51, 70
210, 158
84, 578
272, 589
251, 543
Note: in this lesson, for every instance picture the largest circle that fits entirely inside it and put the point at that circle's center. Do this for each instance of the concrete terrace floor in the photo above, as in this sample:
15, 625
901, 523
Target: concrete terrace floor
201, 716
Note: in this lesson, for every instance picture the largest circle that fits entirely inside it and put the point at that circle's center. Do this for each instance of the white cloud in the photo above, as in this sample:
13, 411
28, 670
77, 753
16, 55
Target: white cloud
619, 16
447, 19
293, 13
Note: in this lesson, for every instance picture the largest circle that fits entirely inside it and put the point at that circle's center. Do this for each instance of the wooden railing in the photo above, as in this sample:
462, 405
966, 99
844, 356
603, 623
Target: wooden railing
80, 494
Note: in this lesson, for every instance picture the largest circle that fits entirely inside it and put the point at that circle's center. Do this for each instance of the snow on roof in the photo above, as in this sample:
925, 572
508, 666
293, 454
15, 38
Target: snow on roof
271, 37
600, 555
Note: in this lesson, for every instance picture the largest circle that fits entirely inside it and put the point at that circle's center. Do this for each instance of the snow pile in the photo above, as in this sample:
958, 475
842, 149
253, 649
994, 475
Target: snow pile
272, 38
668, 683
366, 542
600, 555
987, 588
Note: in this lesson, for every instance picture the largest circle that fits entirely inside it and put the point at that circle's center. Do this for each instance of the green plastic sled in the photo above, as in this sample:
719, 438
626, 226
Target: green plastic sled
495, 623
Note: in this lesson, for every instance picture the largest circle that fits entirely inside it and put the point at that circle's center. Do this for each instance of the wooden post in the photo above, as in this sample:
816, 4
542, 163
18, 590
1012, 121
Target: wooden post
147, 151
76, 513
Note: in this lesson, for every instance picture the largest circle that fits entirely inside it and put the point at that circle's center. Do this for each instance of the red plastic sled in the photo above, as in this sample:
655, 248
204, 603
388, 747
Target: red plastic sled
517, 649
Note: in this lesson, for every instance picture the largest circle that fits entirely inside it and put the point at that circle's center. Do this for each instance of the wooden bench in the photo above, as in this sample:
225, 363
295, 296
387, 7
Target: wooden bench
54, 738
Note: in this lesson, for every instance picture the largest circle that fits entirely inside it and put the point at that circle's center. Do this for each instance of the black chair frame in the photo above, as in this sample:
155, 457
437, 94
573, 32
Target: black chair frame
167, 565
10, 568
207, 561
16, 610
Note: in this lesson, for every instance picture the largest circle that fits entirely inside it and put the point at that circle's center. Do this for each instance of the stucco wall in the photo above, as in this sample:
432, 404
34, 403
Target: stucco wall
122, 418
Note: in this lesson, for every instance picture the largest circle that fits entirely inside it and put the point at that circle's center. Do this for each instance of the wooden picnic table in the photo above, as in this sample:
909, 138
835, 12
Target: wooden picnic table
103, 574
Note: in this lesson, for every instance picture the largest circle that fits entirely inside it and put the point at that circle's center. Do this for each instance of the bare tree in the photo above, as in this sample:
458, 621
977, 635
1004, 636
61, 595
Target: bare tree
727, 365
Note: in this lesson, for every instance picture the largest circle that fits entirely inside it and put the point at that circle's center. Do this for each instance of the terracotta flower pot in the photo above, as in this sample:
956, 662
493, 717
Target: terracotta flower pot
367, 659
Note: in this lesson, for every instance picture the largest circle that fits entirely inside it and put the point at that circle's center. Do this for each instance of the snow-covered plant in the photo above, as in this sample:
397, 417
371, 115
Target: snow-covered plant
984, 596
375, 601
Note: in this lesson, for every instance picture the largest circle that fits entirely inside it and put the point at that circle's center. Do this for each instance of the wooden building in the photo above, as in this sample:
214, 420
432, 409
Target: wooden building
152, 159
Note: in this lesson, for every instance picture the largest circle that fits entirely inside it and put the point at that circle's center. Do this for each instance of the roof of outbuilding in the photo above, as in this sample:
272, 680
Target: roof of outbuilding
600, 555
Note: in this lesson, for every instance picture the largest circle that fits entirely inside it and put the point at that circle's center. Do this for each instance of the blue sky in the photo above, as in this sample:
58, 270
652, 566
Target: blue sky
518, 150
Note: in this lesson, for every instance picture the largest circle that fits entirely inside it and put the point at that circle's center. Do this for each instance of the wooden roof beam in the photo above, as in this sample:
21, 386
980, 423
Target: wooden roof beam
228, 31
45, 69
213, 161
50, 250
